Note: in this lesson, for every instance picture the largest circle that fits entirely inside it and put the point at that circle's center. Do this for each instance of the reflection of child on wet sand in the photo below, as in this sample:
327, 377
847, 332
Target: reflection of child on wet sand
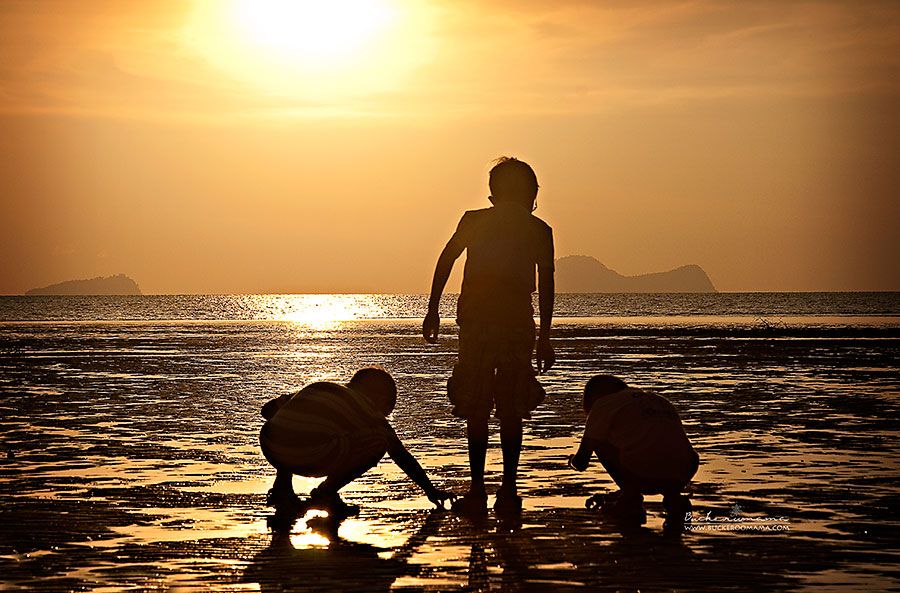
341, 566
336, 432
639, 439
503, 245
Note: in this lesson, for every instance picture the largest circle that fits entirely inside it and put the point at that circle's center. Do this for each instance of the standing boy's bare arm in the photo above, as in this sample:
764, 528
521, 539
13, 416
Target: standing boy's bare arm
432, 322
545, 357
546, 298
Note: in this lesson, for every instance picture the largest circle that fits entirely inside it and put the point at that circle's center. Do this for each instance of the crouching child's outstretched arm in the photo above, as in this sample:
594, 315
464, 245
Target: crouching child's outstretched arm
582, 458
404, 459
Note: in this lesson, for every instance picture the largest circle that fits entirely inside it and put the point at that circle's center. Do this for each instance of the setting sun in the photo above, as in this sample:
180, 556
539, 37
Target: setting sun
317, 51
314, 34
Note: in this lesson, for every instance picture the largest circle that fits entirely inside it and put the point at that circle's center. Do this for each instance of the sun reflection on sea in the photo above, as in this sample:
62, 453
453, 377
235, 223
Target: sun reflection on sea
315, 311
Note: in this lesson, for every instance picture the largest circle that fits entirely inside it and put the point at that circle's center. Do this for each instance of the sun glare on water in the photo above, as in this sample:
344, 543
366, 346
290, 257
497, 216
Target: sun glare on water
314, 311
320, 50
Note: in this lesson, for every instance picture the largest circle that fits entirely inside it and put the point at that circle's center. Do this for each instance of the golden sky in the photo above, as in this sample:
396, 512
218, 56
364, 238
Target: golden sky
278, 146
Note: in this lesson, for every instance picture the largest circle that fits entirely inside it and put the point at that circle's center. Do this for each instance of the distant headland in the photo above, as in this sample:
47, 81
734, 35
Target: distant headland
119, 284
582, 273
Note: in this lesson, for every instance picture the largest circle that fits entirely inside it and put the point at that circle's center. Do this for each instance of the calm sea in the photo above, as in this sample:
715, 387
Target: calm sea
131, 455
316, 308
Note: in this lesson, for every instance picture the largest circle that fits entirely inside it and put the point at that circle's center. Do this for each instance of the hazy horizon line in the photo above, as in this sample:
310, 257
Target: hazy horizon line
452, 293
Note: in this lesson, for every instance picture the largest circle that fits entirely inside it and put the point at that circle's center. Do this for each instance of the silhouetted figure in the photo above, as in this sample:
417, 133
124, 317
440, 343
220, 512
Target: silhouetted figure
337, 432
639, 439
504, 244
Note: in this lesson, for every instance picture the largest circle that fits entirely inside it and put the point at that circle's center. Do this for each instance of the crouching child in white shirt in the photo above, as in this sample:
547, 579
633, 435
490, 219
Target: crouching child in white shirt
639, 439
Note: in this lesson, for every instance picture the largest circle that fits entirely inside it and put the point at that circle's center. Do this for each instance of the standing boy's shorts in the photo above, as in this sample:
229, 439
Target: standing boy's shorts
494, 367
327, 457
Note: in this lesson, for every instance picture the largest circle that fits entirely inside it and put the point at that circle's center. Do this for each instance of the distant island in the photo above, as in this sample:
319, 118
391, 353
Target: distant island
582, 273
117, 285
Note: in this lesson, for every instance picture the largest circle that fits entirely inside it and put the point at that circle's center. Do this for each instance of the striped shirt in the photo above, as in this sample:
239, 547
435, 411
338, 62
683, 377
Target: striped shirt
320, 421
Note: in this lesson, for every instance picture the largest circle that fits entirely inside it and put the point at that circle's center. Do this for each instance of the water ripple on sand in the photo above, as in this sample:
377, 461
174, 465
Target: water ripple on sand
130, 460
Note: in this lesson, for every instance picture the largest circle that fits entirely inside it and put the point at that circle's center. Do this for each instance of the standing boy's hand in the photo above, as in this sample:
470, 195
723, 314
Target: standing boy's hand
545, 355
430, 327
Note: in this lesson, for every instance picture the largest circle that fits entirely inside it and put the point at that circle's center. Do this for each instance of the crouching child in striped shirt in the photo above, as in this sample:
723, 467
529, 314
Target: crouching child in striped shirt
337, 432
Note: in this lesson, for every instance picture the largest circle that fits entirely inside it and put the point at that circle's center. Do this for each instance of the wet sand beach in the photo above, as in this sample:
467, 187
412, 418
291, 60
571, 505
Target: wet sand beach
131, 460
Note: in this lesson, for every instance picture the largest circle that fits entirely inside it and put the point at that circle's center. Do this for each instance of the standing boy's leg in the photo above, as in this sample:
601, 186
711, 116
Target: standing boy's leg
470, 392
517, 394
511, 445
508, 501
474, 502
477, 435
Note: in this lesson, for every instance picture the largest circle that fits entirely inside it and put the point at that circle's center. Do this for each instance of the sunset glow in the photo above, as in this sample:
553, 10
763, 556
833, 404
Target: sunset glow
321, 51
291, 146
314, 34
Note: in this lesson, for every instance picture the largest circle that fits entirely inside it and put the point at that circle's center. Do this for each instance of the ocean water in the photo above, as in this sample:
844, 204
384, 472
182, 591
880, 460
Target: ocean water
129, 427
325, 308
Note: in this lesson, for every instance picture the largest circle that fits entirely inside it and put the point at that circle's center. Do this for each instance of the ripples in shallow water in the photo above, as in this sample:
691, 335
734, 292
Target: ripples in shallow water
132, 460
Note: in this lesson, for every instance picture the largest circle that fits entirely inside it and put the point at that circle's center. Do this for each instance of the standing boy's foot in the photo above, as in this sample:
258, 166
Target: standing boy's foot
472, 504
508, 502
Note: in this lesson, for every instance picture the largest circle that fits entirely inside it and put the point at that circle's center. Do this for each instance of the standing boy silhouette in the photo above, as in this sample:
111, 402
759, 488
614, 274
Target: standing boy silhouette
504, 244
